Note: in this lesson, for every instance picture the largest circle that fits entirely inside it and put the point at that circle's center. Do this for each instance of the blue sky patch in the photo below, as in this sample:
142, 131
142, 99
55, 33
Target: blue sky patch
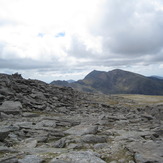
61, 34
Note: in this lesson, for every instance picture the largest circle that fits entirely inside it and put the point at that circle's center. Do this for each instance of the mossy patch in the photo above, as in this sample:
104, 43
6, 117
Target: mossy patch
118, 156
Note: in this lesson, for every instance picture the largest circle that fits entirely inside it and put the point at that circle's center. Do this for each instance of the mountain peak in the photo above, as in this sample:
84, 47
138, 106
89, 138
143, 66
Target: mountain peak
119, 81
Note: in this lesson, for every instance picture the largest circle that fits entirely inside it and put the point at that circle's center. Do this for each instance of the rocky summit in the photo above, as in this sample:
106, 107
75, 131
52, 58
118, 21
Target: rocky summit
43, 123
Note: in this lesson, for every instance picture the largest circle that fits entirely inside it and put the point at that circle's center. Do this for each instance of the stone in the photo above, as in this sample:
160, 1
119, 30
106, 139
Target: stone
148, 151
81, 157
28, 114
9, 160
149, 117
11, 107
4, 132
60, 143
28, 143
3, 115
23, 124
30, 159
100, 146
59, 161
7, 150
93, 139
82, 130
47, 123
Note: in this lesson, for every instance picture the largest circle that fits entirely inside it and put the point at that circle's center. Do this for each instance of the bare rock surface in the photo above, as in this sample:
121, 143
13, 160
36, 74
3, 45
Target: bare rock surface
81, 157
46, 123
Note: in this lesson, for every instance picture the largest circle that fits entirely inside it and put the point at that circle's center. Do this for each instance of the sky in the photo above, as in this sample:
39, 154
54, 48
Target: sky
66, 39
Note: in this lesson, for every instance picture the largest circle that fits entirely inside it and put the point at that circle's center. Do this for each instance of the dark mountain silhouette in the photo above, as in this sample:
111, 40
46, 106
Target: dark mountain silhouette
118, 82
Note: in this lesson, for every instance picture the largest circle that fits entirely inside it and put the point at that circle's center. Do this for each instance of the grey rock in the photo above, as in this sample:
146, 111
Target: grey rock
28, 143
74, 146
28, 114
93, 139
31, 159
4, 132
148, 151
60, 143
81, 157
11, 107
24, 124
9, 160
149, 117
59, 161
82, 130
101, 146
47, 123
3, 115
7, 150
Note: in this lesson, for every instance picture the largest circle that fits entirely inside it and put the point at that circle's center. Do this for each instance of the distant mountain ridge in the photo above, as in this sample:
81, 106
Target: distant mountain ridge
156, 77
117, 82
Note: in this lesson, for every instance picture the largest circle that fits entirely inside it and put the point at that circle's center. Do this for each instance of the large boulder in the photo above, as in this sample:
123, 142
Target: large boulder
11, 107
148, 151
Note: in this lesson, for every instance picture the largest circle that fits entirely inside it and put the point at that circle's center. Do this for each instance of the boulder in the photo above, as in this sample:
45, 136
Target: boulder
148, 151
9, 160
60, 143
31, 159
47, 123
82, 130
93, 139
80, 157
4, 132
11, 107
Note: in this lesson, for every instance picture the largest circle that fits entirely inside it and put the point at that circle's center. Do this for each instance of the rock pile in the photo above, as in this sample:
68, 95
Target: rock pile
42, 123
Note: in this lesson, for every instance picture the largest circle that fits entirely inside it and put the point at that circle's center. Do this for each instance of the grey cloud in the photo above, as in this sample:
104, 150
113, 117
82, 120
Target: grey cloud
79, 49
19, 64
132, 33
131, 27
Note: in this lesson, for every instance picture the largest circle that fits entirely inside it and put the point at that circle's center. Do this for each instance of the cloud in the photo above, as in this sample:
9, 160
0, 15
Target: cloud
75, 37
131, 27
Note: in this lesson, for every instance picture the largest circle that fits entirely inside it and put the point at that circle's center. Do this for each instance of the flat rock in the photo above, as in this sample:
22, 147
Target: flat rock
82, 130
7, 150
148, 151
47, 123
59, 161
31, 159
28, 114
9, 160
80, 157
11, 107
90, 138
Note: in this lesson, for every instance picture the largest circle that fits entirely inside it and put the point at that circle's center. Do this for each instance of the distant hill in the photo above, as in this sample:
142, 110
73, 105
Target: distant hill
118, 82
156, 77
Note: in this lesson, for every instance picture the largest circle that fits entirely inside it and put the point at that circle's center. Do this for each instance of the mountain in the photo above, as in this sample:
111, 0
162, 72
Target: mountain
60, 83
63, 82
119, 82
70, 81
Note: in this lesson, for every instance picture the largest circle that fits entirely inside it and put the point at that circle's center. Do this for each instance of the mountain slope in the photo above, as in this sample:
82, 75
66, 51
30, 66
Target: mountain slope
119, 82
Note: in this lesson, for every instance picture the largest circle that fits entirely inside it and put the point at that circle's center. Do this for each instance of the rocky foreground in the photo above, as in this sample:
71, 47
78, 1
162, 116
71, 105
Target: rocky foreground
42, 123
